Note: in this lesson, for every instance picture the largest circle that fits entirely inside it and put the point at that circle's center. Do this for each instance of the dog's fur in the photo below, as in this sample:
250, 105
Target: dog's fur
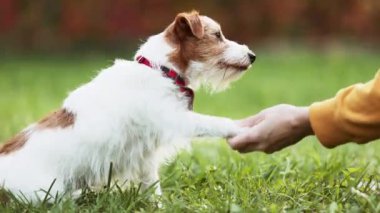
129, 115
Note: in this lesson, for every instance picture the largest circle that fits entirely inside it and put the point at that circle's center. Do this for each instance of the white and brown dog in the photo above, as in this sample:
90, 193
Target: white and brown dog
135, 114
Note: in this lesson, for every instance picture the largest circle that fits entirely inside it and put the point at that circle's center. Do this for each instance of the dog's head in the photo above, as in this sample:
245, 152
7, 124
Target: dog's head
198, 50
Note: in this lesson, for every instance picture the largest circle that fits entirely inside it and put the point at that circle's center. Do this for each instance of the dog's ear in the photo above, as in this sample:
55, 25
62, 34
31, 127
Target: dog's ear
188, 24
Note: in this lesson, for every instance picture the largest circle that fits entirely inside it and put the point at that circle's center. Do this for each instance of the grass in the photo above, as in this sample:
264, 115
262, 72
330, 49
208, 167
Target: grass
213, 178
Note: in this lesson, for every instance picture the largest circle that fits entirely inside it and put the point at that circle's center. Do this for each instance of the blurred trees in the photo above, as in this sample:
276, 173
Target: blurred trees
64, 24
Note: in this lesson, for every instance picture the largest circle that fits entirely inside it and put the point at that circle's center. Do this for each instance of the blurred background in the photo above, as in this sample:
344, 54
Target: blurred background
306, 51
113, 25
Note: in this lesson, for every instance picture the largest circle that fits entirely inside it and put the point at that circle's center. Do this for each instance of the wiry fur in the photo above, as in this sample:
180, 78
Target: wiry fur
129, 115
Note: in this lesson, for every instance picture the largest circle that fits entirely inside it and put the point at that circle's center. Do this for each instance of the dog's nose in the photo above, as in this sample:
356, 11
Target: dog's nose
252, 57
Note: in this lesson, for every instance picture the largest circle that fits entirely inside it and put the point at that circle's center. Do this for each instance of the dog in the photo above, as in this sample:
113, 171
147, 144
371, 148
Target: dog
136, 114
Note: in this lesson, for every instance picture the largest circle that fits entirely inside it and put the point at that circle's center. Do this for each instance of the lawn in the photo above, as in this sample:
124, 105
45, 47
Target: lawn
212, 177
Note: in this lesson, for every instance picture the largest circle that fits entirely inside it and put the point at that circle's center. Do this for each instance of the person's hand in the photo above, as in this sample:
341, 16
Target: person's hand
273, 129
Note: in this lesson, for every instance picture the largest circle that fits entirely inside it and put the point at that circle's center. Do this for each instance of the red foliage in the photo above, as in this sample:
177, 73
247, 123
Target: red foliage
8, 15
69, 22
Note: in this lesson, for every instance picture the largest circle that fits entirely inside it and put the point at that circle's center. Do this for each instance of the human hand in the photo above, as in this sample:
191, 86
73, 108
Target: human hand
273, 129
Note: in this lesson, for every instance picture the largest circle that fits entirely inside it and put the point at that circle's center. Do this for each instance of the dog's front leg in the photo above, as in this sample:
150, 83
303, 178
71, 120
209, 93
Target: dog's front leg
150, 178
213, 126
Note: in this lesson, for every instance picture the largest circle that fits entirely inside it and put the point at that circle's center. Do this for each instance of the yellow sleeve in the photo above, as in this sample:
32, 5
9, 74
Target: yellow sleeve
352, 115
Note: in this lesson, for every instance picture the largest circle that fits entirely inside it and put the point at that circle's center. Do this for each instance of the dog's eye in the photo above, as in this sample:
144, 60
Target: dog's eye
218, 35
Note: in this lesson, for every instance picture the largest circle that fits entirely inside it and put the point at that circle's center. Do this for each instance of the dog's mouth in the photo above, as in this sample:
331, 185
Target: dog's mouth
236, 66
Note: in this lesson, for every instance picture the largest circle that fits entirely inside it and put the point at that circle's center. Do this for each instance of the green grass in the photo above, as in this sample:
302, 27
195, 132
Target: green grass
213, 178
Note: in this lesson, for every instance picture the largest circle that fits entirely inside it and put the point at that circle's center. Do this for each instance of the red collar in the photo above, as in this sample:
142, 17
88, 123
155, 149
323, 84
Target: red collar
172, 74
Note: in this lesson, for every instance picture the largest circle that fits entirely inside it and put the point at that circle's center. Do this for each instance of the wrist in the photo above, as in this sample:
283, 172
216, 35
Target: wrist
304, 121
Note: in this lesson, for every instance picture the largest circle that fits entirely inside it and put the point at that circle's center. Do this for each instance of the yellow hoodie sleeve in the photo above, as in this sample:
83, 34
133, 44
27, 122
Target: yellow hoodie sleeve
352, 115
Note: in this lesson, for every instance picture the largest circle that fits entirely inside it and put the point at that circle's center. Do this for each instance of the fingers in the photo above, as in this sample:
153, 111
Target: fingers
243, 140
251, 147
248, 136
254, 140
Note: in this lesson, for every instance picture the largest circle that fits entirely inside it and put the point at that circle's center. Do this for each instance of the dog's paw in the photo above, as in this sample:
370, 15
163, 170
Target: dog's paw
233, 129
